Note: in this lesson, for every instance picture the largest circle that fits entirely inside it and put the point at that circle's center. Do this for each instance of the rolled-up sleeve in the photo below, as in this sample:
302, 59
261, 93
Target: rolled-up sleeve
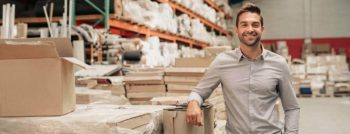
289, 102
208, 83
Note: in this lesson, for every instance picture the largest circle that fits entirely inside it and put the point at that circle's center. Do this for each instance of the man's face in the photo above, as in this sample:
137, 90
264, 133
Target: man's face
249, 29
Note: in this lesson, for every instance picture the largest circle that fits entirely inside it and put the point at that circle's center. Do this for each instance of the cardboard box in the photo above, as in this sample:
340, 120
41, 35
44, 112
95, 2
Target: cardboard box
180, 87
174, 121
37, 77
170, 79
144, 80
193, 62
185, 71
145, 88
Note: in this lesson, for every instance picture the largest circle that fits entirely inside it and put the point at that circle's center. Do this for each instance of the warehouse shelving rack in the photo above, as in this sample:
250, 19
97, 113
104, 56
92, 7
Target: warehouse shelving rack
192, 14
115, 26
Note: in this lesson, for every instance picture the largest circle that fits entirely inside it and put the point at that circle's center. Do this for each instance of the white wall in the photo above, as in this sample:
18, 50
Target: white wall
330, 18
288, 19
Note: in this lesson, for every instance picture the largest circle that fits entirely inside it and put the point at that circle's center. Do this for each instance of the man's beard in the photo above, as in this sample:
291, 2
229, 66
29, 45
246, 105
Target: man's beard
254, 43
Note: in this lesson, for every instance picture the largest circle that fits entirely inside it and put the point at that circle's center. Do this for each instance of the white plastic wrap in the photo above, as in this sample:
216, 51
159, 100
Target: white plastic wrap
150, 13
87, 119
184, 25
151, 50
170, 53
199, 32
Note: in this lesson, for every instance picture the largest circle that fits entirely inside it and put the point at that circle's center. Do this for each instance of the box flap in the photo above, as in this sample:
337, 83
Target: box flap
77, 62
13, 50
63, 45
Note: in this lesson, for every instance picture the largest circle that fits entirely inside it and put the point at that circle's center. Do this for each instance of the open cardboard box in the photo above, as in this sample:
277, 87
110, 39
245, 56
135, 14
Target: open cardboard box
174, 121
37, 77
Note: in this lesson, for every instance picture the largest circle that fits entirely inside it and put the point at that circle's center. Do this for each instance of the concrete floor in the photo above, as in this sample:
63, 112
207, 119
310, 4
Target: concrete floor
324, 115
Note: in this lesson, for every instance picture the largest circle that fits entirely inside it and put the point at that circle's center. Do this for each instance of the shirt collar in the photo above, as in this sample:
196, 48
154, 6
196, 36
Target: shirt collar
261, 57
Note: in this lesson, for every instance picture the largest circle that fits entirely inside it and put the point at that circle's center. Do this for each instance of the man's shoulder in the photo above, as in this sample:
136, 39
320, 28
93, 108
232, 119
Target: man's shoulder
278, 59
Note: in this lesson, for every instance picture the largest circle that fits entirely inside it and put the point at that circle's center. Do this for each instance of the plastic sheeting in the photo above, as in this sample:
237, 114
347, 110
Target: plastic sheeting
89, 119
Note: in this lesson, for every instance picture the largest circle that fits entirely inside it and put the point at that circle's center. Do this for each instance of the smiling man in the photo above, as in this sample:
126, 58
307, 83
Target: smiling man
252, 79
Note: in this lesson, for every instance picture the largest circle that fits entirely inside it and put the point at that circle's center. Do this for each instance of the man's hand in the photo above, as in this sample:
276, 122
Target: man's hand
194, 114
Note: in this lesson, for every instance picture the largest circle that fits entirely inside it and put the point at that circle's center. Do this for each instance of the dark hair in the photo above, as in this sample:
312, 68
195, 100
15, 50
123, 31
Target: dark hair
249, 7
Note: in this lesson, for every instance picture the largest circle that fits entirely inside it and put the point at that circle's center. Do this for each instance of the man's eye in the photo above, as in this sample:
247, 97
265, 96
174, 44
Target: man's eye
256, 25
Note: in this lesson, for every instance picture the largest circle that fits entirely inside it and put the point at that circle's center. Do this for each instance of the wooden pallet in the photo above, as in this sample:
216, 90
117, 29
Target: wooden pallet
304, 95
323, 95
342, 95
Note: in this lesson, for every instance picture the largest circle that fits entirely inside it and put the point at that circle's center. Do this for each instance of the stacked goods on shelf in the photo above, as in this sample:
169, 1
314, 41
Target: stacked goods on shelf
161, 16
91, 119
150, 13
98, 96
153, 50
184, 25
181, 81
142, 86
224, 5
199, 58
199, 32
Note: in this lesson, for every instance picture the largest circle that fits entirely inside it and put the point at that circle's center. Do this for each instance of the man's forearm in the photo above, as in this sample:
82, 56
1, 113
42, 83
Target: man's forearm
292, 121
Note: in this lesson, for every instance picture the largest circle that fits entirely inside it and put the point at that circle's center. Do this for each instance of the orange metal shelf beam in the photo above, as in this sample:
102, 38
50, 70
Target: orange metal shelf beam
149, 32
192, 14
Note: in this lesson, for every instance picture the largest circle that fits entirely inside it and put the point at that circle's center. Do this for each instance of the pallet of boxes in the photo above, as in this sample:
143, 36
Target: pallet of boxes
317, 74
328, 75
338, 76
299, 80
143, 85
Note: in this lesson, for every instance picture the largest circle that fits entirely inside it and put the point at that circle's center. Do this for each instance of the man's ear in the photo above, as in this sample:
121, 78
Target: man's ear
235, 29
262, 29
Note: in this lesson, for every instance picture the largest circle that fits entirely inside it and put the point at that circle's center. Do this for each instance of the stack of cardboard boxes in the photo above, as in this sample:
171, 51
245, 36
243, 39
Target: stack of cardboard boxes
142, 86
181, 81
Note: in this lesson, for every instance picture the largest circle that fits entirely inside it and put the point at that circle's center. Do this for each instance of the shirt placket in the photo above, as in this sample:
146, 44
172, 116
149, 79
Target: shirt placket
250, 95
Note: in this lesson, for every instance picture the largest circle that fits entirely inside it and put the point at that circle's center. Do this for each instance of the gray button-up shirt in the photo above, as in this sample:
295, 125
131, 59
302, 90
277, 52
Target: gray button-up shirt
251, 89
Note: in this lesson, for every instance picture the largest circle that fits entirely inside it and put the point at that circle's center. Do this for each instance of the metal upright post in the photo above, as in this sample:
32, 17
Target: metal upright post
106, 16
